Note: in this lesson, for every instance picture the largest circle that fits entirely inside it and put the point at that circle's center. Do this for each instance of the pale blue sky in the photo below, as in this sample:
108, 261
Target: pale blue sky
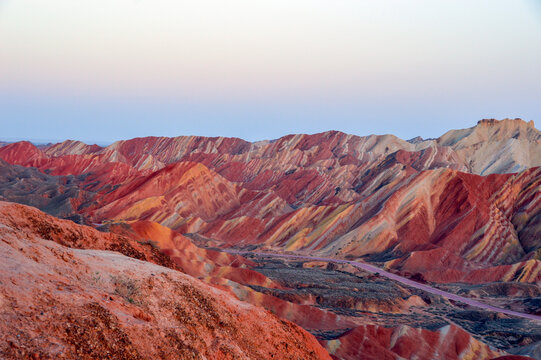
103, 70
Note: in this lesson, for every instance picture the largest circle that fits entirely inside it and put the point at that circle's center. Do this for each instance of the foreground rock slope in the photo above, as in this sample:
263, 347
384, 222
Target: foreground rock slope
58, 302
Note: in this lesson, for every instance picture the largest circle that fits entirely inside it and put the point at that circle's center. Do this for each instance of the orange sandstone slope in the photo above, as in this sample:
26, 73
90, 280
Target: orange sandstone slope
149, 241
143, 240
58, 302
210, 265
232, 273
66, 233
175, 192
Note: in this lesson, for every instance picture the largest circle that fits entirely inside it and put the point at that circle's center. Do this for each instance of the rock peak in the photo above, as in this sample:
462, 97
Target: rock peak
490, 122
416, 140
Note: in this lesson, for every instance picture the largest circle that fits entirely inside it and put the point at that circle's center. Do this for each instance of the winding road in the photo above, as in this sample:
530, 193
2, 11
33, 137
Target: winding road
374, 269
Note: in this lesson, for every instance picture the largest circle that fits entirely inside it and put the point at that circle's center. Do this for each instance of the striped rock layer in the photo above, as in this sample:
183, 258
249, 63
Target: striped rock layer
447, 208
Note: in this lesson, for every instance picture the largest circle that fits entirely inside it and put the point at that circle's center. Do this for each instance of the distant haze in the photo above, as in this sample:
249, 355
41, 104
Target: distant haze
103, 70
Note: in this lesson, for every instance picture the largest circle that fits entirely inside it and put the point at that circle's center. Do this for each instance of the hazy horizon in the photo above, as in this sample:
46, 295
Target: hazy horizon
103, 71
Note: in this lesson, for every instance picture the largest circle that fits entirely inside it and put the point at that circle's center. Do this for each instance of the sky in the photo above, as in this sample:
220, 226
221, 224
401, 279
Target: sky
106, 70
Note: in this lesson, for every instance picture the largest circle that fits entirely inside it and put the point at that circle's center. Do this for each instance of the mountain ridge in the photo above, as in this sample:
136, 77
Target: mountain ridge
316, 192
461, 212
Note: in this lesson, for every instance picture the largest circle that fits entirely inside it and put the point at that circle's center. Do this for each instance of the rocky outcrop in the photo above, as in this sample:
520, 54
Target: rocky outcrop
496, 146
71, 147
58, 302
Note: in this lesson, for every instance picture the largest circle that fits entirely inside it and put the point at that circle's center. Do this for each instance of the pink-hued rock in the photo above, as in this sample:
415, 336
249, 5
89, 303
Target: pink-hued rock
372, 342
58, 302
465, 207
417, 206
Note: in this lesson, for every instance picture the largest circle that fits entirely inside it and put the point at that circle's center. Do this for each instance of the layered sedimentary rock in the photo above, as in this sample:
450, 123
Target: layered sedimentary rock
376, 197
71, 147
379, 343
63, 298
493, 146
463, 211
